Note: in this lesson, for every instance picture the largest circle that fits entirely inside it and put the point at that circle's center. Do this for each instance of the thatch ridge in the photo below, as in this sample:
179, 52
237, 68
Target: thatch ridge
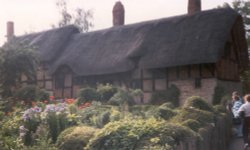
49, 43
167, 42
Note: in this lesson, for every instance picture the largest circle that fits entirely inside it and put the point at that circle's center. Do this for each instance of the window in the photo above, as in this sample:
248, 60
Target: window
148, 85
197, 83
136, 84
59, 80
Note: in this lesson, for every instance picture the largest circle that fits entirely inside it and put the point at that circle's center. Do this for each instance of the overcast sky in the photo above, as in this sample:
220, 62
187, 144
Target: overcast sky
39, 15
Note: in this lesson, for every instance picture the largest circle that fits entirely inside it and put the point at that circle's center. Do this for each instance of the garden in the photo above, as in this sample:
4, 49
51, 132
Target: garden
102, 118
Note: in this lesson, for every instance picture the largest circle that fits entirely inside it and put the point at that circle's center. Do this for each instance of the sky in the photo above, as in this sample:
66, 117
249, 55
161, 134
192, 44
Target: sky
39, 15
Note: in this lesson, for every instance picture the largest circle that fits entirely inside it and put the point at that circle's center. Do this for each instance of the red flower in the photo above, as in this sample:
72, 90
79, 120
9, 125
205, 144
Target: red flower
70, 101
45, 102
51, 97
84, 105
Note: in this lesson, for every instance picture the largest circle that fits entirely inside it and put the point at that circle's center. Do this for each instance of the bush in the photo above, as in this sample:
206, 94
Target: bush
106, 91
203, 117
6, 104
192, 124
102, 119
27, 93
140, 110
9, 131
96, 115
75, 138
86, 95
198, 102
121, 97
56, 119
139, 134
225, 100
30, 93
167, 105
43, 141
162, 111
219, 92
170, 95
42, 95
220, 109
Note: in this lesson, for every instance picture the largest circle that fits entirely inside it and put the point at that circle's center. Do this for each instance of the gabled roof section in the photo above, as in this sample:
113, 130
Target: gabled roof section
167, 42
50, 43
188, 39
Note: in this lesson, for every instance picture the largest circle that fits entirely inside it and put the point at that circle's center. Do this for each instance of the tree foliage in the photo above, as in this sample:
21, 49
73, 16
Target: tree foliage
81, 18
243, 8
15, 60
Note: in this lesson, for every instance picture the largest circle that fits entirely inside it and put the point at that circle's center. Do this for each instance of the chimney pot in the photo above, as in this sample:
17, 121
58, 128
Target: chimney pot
10, 30
118, 14
194, 6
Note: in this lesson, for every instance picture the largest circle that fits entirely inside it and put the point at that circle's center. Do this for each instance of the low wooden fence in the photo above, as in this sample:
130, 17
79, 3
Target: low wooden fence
213, 137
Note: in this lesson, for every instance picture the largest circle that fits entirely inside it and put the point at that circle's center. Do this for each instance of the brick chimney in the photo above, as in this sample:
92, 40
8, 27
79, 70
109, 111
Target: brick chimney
118, 14
10, 30
194, 6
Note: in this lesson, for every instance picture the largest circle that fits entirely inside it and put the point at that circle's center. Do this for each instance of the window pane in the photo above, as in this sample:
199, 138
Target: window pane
147, 85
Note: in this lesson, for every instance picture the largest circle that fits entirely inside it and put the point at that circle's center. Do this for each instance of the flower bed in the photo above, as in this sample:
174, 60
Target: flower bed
110, 127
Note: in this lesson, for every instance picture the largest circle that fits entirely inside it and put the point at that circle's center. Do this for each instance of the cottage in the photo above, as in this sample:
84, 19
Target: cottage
196, 52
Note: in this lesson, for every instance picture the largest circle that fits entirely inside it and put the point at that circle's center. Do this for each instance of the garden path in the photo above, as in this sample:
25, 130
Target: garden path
236, 144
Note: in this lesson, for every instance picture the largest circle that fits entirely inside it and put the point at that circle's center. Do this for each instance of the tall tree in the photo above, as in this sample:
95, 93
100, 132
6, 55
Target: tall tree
15, 60
81, 18
243, 8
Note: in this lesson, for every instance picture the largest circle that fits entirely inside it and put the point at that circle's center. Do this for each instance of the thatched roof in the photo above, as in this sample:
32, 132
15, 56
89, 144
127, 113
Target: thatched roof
49, 43
167, 42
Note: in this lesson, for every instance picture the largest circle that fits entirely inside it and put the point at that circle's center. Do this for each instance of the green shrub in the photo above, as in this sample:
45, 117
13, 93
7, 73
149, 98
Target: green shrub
219, 92
161, 112
56, 119
192, 124
139, 134
72, 109
170, 95
115, 115
31, 93
75, 138
43, 141
202, 116
106, 91
225, 100
27, 93
121, 97
136, 92
6, 104
96, 115
198, 102
220, 109
2, 114
102, 119
166, 113
140, 110
42, 95
86, 95
9, 132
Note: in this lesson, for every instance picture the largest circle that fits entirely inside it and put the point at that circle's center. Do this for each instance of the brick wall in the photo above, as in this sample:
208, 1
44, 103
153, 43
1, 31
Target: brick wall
187, 88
